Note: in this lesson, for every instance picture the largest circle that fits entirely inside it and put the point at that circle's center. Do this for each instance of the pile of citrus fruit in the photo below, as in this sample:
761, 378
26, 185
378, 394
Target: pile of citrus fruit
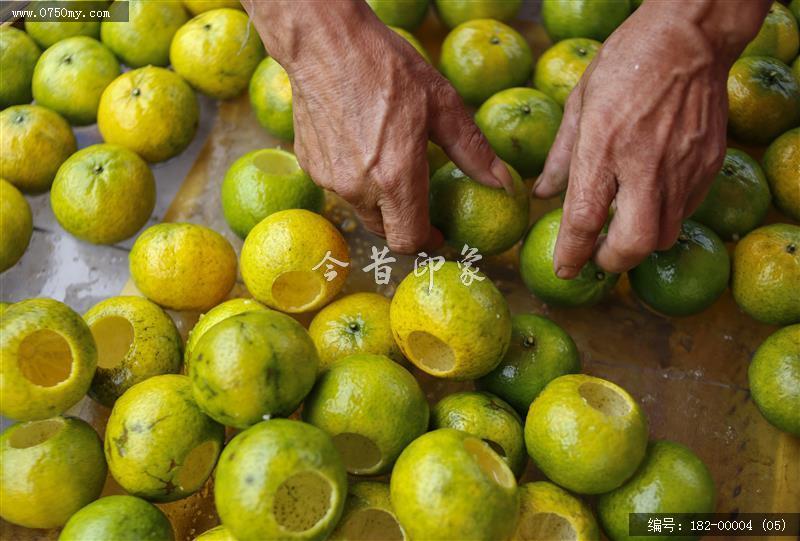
299, 427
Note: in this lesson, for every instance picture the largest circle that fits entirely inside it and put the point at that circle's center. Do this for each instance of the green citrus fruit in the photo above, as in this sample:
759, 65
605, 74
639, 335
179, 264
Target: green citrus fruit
536, 268
550, 512
48, 470
280, 479
368, 514
48, 359
482, 57
151, 111
794, 7
196, 7
778, 36
18, 55
521, 125
487, 417
539, 352
781, 165
411, 39
671, 479
450, 485
372, 408
766, 274
159, 444
271, 99
478, 216
135, 340
586, 434
595, 19
436, 157
561, 66
796, 69
103, 194
263, 182
253, 366
454, 12
774, 377
118, 517
35, 143
220, 533
16, 225
406, 14
47, 33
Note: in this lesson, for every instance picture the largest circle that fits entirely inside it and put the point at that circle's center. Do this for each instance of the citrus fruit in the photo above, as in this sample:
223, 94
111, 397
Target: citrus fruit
145, 37
794, 7
796, 69
450, 485
118, 517
411, 39
16, 225
782, 167
18, 53
103, 194
368, 514
778, 36
35, 143
183, 266
763, 99
738, 198
539, 352
372, 408
151, 111
774, 377
561, 66
199, 6
48, 359
217, 52
586, 434
358, 323
671, 479
436, 157
536, 268
487, 417
454, 12
220, 533
482, 57
295, 261
766, 274
478, 216
135, 340
159, 445
595, 19
280, 479
253, 366
271, 99
70, 77
47, 33
263, 182
449, 329
550, 512
48, 470
406, 14
521, 125
688, 277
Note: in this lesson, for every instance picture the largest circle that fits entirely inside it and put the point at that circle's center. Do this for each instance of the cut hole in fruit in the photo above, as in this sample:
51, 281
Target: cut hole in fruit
496, 447
34, 433
604, 399
276, 163
302, 501
114, 338
540, 526
197, 466
372, 524
359, 453
490, 464
430, 353
295, 290
45, 358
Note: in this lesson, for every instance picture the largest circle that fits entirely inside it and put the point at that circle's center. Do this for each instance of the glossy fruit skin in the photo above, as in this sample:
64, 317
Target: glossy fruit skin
543, 498
271, 98
454, 12
48, 33
365, 496
778, 36
218, 533
595, 19
405, 14
196, 7
561, 66
774, 376
671, 479
118, 517
781, 165
16, 225
17, 49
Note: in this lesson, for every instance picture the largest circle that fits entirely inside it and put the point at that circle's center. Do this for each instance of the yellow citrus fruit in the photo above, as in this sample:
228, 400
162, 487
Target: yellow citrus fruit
405, 14
411, 39
196, 7
796, 69
103, 194
774, 377
183, 266
47, 33
586, 434
550, 512
16, 225
48, 359
450, 485
436, 157
782, 167
159, 445
561, 66
18, 55
48, 470
271, 99
368, 514
482, 57
219, 533
454, 12
151, 111
217, 52
145, 37
280, 479
794, 7
595, 19
778, 36
295, 261
135, 340
766, 274
35, 143
118, 517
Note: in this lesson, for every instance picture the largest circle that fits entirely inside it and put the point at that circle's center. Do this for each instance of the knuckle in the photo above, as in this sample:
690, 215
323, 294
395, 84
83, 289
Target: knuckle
585, 218
404, 243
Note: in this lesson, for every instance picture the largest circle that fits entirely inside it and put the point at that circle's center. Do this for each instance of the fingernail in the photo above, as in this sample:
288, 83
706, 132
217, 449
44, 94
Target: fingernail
501, 173
565, 272
537, 184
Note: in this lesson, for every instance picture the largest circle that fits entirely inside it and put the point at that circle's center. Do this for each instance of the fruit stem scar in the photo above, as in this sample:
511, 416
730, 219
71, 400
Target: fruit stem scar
494, 40
581, 51
529, 341
600, 275
136, 92
791, 248
353, 326
526, 109
207, 26
97, 169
